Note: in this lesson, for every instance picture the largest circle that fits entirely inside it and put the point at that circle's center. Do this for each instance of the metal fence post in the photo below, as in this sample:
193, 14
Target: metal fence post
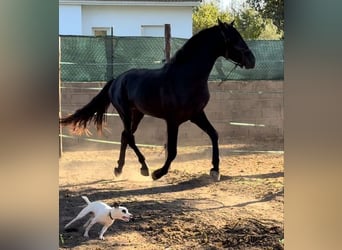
60, 97
167, 36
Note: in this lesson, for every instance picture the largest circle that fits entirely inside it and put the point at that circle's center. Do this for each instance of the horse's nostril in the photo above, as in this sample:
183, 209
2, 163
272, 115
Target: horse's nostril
250, 62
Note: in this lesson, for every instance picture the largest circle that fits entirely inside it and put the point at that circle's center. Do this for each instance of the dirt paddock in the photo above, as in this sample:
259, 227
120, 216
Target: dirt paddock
184, 209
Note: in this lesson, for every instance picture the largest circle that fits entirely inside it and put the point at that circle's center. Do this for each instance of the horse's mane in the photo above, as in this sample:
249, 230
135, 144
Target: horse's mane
191, 46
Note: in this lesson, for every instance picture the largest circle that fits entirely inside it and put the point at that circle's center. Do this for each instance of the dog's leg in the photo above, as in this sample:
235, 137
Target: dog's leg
83, 213
103, 230
90, 224
88, 221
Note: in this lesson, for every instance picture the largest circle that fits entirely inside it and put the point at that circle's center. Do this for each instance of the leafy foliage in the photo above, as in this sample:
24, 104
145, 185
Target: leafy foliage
270, 32
272, 9
248, 21
205, 16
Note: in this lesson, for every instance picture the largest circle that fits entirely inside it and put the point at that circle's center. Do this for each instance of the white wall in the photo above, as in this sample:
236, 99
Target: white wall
70, 20
127, 20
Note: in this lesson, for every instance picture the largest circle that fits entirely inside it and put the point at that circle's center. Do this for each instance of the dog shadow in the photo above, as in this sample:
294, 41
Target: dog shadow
147, 222
70, 204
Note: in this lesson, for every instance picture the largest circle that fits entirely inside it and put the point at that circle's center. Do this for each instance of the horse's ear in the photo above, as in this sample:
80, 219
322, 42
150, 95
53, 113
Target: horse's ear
222, 27
232, 23
116, 205
220, 23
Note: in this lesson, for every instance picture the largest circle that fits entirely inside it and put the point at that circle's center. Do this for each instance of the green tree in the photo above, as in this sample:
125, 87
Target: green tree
249, 23
270, 9
270, 32
206, 14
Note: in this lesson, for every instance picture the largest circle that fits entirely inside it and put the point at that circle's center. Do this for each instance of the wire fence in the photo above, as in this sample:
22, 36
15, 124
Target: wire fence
89, 59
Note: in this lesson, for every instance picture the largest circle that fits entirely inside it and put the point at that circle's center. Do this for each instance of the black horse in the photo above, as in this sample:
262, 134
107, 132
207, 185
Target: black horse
177, 92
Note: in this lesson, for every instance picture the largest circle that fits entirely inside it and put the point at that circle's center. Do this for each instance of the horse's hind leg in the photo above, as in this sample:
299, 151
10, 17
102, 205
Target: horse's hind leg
127, 137
202, 122
121, 161
171, 151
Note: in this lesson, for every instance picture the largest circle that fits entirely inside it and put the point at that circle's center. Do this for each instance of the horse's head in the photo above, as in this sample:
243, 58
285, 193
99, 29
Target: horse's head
236, 48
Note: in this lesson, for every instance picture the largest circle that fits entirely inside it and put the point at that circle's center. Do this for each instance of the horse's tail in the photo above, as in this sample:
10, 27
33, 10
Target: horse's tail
93, 111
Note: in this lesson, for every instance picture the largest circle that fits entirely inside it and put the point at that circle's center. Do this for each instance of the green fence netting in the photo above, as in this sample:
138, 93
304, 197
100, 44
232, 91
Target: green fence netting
88, 58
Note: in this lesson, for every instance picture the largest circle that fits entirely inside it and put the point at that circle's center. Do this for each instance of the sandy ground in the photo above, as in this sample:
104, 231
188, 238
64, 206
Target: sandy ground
185, 209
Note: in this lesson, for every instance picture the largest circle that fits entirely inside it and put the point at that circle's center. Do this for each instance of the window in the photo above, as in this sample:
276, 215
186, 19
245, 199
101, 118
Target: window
101, 31
152, 30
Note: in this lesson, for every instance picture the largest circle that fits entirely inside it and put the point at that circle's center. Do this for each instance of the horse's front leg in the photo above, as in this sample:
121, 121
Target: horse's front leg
131, 142
171, 151
202, 122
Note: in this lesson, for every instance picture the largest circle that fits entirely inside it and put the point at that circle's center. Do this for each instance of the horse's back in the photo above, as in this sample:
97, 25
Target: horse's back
139, 88
160, 93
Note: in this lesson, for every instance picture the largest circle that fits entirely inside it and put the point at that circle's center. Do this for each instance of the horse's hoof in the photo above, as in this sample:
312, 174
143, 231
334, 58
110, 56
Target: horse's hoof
157, 174
215, 175
117, 172
144, 171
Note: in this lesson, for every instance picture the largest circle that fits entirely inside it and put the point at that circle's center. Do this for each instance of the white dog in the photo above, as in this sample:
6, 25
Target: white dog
101, 213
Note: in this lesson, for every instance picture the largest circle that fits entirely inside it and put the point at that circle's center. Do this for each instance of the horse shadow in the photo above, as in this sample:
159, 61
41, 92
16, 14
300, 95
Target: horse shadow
150, 219
94, 193
147, 213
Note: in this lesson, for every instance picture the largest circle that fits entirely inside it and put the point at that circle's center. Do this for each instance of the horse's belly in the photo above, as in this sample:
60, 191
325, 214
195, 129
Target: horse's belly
148, 107
170, 105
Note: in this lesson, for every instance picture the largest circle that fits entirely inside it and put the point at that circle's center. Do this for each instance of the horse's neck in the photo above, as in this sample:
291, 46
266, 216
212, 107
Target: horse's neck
199, 67
198, 61
207, 63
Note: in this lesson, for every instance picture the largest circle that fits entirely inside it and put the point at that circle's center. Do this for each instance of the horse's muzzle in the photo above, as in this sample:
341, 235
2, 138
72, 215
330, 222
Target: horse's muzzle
249, 60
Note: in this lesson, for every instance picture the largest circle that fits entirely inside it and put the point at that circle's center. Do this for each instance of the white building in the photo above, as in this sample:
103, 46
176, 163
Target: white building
126, 18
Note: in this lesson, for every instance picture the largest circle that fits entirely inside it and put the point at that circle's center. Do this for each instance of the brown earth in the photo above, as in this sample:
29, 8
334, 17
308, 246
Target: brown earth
185, 209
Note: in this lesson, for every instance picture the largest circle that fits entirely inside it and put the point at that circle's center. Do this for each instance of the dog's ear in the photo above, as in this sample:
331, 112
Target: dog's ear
116, 205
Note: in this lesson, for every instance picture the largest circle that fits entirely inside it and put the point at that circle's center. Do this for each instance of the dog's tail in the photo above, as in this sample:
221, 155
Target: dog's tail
86, 199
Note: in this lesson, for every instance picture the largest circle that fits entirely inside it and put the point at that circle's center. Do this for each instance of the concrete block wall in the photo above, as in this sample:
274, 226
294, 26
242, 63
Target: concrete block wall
251, 110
